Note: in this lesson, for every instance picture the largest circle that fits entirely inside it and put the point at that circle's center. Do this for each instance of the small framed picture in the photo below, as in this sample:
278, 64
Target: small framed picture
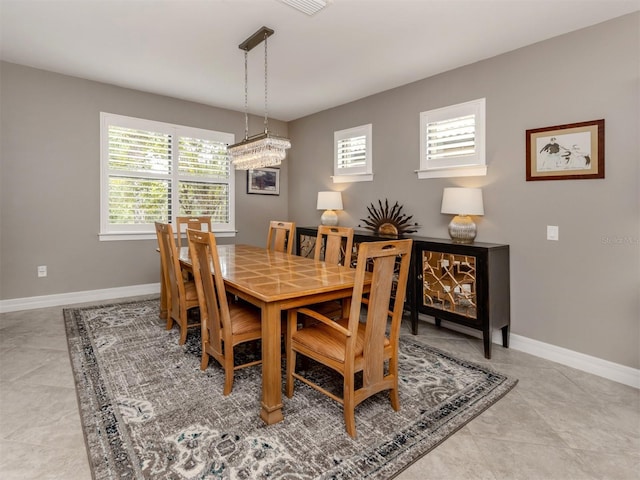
566, 152
263, 181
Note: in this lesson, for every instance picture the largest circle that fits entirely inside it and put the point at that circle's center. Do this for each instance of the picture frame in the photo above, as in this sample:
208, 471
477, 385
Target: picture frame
574, 151
263, 181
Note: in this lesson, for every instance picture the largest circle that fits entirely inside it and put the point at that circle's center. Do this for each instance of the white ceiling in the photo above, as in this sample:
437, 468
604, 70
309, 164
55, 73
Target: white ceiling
353, 48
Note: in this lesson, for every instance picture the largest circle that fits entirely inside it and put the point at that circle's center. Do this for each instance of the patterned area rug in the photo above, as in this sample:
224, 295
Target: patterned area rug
149, 412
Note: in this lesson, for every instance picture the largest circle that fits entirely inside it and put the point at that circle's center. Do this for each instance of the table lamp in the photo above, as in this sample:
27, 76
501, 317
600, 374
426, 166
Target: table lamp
329, 202
462, 202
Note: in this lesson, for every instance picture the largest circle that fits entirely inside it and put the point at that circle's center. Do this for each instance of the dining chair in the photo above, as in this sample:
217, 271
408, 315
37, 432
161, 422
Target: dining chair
202, 223
350, 345
280, 236
181, 294
333, 246
224, 324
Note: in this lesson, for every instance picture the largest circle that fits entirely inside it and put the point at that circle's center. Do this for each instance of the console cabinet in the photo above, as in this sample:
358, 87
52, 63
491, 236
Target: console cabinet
465, 284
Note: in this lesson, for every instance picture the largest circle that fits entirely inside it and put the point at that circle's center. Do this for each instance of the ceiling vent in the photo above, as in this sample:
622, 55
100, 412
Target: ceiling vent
309, 7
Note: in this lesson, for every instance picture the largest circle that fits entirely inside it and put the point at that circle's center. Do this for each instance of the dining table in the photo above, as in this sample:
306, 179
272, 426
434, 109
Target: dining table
276, 282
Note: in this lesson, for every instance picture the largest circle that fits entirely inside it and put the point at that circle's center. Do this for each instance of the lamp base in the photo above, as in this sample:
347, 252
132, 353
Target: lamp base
330, 218
462, 229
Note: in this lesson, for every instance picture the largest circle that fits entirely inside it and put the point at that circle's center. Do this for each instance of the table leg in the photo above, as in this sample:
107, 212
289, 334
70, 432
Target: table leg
271, 370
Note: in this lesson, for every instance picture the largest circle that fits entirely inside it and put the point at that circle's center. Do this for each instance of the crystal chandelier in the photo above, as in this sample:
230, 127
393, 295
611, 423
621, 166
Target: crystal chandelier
263, 149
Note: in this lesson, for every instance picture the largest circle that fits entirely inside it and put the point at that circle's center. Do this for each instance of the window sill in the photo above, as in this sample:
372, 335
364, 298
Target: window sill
466, 171
108, 237
362, 177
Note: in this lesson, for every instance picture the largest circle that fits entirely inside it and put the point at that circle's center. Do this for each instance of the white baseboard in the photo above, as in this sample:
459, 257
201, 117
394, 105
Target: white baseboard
594, 365
28, 303
597, 366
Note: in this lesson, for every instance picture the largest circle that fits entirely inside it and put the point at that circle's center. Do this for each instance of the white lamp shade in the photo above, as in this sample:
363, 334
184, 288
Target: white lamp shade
462, 201
329, 201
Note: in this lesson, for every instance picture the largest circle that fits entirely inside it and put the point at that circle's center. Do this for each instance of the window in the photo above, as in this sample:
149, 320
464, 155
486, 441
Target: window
153, 171
452, 141
352, 155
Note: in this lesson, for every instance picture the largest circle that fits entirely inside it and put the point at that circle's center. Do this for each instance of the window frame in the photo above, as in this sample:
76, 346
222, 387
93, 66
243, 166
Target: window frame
461, 165
109, 232
354, 174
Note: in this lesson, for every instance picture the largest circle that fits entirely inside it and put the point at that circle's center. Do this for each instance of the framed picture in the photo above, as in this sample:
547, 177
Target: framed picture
264, 181
566, 152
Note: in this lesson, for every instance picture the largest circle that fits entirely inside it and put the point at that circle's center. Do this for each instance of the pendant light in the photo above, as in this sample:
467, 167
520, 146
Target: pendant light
263, 149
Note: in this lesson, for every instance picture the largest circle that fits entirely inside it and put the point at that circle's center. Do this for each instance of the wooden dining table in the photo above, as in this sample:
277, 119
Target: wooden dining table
275, 282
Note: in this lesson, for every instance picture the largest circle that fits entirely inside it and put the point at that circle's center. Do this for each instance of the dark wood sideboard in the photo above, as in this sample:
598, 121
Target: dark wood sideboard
465, 284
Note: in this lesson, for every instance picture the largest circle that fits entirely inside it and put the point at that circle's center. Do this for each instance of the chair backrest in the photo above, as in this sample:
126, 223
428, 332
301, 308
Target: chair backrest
334, 245
202, 223
280, 237
212, 296
170, 261
388, 262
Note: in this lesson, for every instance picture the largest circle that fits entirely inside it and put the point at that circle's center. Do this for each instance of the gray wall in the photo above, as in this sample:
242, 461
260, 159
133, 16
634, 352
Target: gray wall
581, 292
50, 182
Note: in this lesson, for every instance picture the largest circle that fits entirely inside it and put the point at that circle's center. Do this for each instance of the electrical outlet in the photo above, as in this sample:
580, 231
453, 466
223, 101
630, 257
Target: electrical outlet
553, 232
42, 271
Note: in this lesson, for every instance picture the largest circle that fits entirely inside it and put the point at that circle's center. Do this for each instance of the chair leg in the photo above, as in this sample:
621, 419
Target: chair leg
395, 398
228, 373
349, 408
393, 393
204, 362
290, 355
169, 321
183, 334
291, 366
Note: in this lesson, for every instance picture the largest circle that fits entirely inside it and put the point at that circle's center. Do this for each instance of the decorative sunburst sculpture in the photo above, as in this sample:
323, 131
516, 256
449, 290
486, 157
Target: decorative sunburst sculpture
388, 222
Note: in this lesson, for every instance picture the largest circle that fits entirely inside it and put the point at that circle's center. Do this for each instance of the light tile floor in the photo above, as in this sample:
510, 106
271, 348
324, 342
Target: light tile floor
558, 423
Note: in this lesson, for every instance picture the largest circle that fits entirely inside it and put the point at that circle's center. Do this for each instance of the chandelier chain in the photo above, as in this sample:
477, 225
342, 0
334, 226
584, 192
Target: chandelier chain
246, 95
266, 121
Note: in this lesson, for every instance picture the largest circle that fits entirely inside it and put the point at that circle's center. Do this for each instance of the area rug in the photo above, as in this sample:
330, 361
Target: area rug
149, 412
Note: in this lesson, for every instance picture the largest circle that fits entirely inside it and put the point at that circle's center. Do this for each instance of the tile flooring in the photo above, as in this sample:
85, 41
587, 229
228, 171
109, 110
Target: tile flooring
558, 422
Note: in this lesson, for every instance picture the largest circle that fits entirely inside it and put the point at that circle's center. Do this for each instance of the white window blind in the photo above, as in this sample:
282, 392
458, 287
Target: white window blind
452, 141
352, 154
153, 171
452, 137
204, 171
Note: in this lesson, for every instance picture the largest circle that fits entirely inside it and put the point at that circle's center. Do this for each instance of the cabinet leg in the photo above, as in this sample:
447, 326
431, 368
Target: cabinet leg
414, 321
486, 337
438, 322
505, 336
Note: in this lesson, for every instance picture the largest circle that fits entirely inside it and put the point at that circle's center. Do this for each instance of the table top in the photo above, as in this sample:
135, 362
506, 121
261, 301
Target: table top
272, 276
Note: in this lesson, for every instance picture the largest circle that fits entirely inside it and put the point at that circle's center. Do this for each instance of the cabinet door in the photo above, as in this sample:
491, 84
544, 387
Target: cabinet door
306, 244
449, 282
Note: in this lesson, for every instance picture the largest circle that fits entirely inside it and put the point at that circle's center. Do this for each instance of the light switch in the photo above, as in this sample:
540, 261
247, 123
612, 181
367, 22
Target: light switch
553, 232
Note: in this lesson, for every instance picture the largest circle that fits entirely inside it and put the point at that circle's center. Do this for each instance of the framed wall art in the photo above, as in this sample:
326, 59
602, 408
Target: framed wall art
566, 152
263, 181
